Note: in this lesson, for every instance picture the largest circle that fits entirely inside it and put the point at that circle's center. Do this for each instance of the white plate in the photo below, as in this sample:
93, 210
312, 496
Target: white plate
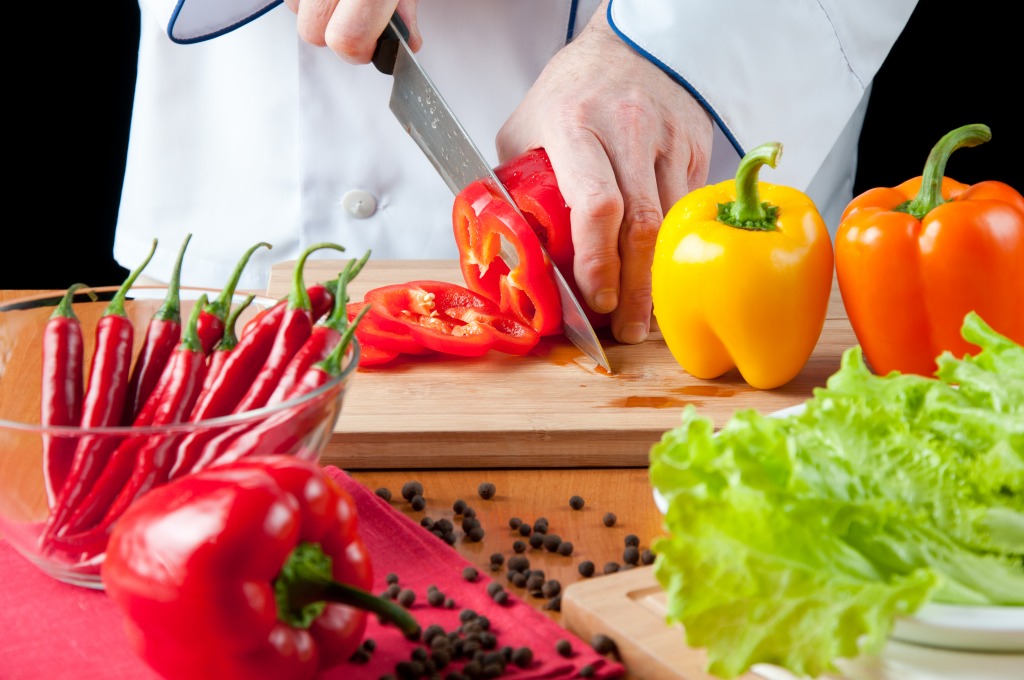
947, 626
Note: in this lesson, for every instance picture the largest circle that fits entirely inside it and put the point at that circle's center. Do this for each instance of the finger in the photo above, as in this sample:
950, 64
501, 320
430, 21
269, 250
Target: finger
642, 217
311, 19
407, 9
355, 26
293, 5
587, 181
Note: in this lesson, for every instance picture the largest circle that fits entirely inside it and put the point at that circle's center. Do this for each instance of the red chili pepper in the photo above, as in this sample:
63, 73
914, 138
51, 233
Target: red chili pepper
525, 287
283, 431
162, 334
140, 463
321, 299
62, 389
295, 328
102, 404
325, 335
214, 316
229, 340
270, 580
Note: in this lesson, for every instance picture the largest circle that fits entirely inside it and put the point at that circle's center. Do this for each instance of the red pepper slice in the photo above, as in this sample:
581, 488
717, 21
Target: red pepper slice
63, 388
480, 219
372, 332
162, 334
420, 307
530, 181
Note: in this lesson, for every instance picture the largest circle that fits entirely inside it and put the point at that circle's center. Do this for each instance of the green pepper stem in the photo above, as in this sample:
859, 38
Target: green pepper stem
305, 585
222, 304
747, 211
929, 196
116, 305
66, 306
170, 310
299, 296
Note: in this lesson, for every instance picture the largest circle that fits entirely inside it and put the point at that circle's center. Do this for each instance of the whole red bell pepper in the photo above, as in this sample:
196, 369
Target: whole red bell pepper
248, 571
914, 259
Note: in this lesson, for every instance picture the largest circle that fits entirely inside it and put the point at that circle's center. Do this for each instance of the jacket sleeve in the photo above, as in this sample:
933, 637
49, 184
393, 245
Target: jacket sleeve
792, 72
196, 21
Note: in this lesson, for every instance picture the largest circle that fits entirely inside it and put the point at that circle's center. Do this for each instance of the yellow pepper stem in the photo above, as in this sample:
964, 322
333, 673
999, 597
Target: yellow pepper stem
747, 211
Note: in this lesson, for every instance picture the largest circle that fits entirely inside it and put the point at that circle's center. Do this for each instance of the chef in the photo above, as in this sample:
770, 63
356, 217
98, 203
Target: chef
256, 121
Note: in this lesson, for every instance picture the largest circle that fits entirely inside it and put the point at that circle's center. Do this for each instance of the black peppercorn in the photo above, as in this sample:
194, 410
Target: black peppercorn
497, 558
565, 549
384, 493
551, 588
406, 598
522, 657
611, 567
631, 555
476, 534
551, 542
486, 490
410, 489
587, 671
536, 540
586, 568
647, 557
514, 522
609, 519
632, 540
602, 644
564, 648
418, 502
577, 502
458, 506
469, 573
518, 547
525, 529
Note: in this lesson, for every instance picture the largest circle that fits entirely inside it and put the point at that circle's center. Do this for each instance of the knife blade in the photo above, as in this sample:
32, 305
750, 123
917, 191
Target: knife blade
428, 119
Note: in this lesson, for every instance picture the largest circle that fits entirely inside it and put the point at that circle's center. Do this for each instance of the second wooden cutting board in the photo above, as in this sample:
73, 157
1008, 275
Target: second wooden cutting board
551, 408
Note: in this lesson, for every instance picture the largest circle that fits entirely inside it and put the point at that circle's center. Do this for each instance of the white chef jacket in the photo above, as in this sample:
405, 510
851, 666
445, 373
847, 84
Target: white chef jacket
241, 132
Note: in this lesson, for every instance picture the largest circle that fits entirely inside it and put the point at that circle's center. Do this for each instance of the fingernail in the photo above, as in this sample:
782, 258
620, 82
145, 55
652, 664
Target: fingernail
633, 333
606, 300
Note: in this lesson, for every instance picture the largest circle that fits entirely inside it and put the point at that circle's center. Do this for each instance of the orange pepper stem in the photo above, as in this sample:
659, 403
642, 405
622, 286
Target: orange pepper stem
929, 196
747, 211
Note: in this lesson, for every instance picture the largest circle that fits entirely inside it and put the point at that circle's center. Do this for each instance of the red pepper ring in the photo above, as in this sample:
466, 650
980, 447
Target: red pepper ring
374, 332
511, 335
527, 290
421, 308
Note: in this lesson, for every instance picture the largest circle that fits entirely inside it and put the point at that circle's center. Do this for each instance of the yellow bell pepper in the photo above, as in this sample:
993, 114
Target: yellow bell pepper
741, 283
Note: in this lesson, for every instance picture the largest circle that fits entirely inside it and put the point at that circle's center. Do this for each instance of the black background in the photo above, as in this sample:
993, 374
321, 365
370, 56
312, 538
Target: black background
954, 64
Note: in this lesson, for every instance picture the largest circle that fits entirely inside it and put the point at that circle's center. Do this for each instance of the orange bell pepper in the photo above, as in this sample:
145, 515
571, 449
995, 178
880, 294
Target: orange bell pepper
914, 259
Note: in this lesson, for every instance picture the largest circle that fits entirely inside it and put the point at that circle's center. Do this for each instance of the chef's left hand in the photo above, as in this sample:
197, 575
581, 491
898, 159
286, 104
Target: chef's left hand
626, 142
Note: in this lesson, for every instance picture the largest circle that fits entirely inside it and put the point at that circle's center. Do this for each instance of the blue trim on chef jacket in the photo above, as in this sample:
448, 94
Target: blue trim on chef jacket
678, 78
209, 36
571, 30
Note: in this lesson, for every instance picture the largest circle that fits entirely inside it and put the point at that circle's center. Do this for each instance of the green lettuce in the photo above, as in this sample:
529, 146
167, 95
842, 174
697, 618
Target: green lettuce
796, 541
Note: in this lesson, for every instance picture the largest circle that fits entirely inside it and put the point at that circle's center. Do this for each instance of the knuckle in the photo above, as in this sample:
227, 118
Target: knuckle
640, 226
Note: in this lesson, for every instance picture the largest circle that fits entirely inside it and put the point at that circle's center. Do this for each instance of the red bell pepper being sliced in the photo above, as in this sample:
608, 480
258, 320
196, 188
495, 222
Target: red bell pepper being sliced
214, 316
481, 219
62, 389
271, 582
530, 181
102, 404
446, 317
162, 334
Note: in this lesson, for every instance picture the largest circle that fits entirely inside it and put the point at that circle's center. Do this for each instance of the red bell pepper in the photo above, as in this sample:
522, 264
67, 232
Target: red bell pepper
102, 404
269, 581
440, 316
62, 389
372, 332
526, 288
215, 313
162, 334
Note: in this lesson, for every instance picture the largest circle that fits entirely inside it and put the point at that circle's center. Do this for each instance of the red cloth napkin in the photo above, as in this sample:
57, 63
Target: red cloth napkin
53, 630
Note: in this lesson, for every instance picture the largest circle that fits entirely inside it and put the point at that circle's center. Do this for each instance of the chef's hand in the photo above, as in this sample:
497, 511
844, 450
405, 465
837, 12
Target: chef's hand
626, 142
351, 27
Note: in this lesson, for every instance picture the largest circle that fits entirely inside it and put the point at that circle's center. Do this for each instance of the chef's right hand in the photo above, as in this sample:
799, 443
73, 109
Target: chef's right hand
351, 27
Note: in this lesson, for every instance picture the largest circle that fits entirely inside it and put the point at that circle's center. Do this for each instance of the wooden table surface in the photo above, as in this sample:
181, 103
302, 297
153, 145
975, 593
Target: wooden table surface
533, 492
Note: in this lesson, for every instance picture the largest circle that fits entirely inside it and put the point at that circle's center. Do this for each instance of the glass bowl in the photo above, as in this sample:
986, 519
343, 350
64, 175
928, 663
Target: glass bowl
300, 427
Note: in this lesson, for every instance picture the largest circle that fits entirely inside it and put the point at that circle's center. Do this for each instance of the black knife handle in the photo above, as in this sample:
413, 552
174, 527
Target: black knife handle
386, 52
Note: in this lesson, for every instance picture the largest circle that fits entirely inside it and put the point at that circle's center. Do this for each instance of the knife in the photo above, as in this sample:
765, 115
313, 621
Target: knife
423, 113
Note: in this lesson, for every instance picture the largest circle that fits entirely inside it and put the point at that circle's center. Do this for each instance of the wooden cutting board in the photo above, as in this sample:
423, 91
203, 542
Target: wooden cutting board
551, 408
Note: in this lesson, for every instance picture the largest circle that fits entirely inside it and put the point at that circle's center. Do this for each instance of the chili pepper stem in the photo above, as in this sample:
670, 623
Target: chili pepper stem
305, 585
299, 296
929, 196
747, 211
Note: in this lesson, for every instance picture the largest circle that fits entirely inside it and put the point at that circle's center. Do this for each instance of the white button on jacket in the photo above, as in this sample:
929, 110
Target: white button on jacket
241, 132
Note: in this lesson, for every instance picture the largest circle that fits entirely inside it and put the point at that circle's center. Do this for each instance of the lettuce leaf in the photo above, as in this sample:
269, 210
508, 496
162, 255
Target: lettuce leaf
796, 541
